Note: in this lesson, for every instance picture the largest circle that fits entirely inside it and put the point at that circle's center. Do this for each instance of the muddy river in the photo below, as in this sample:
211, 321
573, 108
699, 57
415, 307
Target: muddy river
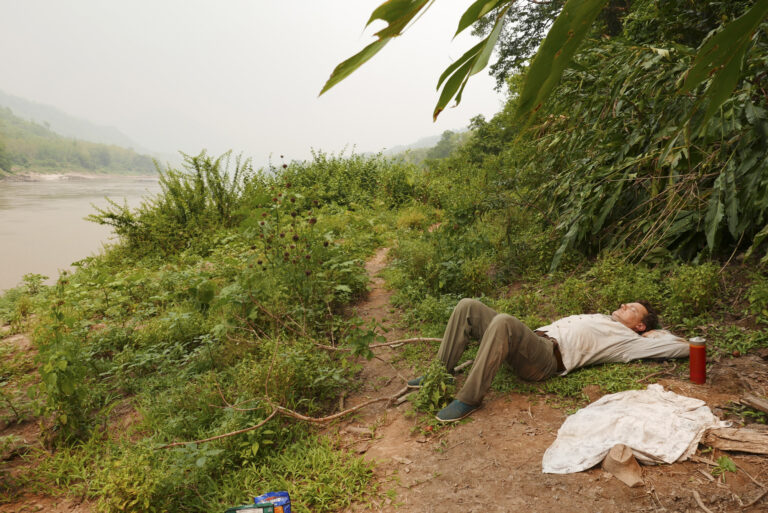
42, 225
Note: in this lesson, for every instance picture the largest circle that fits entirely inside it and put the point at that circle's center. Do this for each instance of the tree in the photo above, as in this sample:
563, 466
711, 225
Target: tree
525, 25
5, 158
717, 63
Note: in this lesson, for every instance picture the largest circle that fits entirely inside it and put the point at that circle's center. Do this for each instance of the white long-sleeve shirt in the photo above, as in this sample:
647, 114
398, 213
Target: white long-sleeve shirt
596, 338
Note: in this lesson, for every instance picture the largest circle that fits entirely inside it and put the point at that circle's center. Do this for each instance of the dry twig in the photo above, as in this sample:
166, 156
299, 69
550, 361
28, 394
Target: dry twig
700, 503
383, 344
225, 435
289, 413
659, 373
755, 500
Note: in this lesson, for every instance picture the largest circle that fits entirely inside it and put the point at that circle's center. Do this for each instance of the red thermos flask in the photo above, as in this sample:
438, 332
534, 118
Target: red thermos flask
698, 360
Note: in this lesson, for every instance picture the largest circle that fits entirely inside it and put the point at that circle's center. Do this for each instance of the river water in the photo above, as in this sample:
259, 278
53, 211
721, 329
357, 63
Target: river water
42, 225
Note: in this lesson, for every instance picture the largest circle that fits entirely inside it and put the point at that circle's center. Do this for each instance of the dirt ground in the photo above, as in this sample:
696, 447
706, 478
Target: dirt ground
491, 462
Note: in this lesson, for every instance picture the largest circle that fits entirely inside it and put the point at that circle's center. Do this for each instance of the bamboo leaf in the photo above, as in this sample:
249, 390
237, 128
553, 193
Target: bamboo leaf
346, 68
724, 47
607, 207
731, 203
470, 63
567, 32
715, 213
469, 54
397, 14
477, 10
721, 58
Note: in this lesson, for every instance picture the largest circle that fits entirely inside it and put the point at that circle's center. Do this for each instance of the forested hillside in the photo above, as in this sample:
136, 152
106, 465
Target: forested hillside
29, 147
226, 315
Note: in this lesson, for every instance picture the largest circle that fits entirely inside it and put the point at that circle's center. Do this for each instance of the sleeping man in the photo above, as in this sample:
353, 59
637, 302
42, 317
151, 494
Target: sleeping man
627, 334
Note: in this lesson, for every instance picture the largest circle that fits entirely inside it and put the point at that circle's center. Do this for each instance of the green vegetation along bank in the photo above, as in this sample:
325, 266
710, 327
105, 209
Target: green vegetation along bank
29, 147
208, 314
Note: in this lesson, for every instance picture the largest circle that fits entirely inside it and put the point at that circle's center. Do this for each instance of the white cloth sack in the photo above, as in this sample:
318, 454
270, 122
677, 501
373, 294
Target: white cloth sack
659, 426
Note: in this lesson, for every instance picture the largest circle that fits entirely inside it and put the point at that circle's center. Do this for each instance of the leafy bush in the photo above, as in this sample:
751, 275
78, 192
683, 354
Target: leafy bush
758, 298
437, 389
203, 195
694, 289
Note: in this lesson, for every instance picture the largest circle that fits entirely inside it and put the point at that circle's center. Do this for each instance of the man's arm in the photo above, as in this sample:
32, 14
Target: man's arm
659, 344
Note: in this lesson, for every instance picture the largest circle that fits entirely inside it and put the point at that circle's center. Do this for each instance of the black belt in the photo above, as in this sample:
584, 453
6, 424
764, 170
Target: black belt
555, 350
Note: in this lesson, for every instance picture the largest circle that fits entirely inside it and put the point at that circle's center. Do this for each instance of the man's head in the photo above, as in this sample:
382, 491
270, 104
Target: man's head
639, 316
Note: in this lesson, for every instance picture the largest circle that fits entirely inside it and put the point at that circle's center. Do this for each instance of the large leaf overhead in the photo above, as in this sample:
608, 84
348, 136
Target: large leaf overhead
555, 52
721, 57
397, 14
455, 77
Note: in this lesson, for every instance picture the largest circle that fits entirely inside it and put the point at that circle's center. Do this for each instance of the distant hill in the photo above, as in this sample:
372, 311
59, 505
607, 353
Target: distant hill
433, 147
26, 146
424, 142
66, 125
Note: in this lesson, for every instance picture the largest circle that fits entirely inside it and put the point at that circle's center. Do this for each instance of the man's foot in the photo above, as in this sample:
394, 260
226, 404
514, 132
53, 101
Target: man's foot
415, 382
455, 411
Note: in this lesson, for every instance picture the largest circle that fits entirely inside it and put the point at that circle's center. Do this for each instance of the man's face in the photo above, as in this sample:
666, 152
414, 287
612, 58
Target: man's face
631, 315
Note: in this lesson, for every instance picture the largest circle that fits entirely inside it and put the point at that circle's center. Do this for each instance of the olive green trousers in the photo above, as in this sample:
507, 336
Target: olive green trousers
503, 338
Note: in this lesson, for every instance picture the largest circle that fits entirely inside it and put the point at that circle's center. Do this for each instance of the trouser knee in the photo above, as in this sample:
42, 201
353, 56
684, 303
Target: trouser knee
506, 322
466, 305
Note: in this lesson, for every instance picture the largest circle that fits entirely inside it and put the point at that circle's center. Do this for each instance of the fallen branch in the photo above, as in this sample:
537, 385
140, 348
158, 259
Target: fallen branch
737, 439
383, 344
755, 403
225, 435
406, 341
319, 420
665, 371
755, 500
463, 366
700, 503
290, 413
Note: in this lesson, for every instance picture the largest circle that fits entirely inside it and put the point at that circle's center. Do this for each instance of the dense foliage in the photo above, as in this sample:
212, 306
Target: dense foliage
212, 309
204, 319
28, 146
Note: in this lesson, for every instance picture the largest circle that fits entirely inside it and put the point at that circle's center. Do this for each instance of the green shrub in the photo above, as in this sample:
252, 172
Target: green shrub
615, 281
693, 290
437, 389
758, 298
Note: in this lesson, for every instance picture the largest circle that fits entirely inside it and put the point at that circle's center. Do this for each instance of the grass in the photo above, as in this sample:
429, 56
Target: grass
229, 312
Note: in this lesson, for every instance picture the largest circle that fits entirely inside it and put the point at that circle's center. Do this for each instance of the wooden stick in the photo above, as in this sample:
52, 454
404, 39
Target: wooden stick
755, 403
755, 500
225, 435
320, 420
290, 413
383, 344
406, 341
463, 366
700, 503
665, 371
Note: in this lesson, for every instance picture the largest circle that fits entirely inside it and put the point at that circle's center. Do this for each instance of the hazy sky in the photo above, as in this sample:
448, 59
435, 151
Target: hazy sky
240, 74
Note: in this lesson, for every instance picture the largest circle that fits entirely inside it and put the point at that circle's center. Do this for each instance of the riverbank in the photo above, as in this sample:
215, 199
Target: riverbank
53, 176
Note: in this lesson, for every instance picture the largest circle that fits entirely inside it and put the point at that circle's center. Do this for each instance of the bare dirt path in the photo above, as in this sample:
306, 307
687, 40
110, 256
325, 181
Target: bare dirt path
492, 462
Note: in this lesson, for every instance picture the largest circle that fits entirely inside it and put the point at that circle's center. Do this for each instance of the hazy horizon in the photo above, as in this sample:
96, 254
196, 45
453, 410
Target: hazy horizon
241, 75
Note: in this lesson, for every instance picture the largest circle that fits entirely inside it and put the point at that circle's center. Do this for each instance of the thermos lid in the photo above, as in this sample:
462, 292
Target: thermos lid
698, 341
